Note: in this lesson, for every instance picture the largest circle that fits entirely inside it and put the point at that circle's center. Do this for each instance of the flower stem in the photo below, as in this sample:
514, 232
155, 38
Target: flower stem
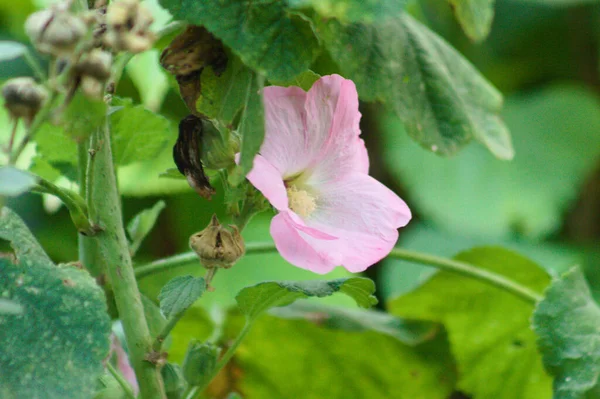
114, 249
124, 384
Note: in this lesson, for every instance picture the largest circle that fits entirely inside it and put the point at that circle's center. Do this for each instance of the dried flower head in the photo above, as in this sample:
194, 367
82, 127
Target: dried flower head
128, 26
218, 246
55, 31
93, 70
23, 98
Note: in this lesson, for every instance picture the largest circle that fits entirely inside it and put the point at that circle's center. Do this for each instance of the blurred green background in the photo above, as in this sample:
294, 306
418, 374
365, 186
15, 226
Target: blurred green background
543, 55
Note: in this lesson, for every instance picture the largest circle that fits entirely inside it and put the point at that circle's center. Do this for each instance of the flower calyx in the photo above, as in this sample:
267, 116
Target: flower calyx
55, 31
218, 246
23, 98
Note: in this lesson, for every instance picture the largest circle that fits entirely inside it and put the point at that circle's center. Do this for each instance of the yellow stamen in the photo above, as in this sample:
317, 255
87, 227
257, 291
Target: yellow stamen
300, 201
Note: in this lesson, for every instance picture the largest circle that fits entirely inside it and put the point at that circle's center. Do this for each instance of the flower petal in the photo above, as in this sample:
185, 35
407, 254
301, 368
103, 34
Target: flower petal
293, 246
267, 179
285, 144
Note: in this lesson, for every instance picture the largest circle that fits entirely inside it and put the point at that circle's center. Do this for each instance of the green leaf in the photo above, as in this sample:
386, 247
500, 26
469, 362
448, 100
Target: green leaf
567, 323
488, 328
55, 348
82, 116
138, 134
11, 50
304, 81
224, 96
149, 78
367, 11
27, 249
154, 317
486, 197
267, 36
475, 16
335, 364
180, 293
258, 298
10, 307
15, 182
251, 128
442, 99
337, 317
172, 173
142, 223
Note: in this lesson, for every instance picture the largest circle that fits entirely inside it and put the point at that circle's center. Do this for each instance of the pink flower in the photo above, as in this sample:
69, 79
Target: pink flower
313, 168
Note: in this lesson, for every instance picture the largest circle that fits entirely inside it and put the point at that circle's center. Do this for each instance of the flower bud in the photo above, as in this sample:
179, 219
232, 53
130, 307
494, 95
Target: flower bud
55, 32
217, 246
128, 26
23, 98
173, 379
199, 362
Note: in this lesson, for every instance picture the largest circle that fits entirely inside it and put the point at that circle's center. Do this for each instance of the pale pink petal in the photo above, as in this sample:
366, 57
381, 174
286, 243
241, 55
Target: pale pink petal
285, 145
123, 364
293, 246
362, 158
267, 179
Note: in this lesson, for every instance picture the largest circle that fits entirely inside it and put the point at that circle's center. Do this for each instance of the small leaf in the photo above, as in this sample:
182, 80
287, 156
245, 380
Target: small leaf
138, 134
367, 11
267, 36
142, 223
15, 182
258, 298
82, 116
442, 99
10, 307
180, 293
304, 81
567, 322
11, 50
172, 173
55, 348
251, 128
475, 16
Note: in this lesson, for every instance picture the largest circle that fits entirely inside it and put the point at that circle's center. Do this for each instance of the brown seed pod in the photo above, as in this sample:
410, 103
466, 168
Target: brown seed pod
218, 246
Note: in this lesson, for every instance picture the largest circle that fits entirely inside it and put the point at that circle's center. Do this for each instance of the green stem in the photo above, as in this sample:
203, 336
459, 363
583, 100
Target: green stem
38, 71
467, 270
191, 257
124, 384
449, 265
115, 250
160, 338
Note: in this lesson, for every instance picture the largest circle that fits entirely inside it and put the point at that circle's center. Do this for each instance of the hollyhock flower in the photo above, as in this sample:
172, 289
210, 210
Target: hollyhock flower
313, 168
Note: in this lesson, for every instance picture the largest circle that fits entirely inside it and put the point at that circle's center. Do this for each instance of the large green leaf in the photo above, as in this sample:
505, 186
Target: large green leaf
55, 347
567, 322
367, 11
488, 328
335, 364
557, 145
475, 16
442, 99
256, 299
266, 35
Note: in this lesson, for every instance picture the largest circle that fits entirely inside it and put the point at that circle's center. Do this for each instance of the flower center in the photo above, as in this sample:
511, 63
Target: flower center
300, 201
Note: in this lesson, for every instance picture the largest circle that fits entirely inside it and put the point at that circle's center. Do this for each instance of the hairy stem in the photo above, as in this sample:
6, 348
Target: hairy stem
115, 251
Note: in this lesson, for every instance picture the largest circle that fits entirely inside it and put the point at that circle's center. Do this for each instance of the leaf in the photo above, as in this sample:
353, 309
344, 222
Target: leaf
149, 78
567, 323
304, 81
442, 99
256, 299
180, 293
55, 348
488, 328
142, 223
138, 134
224, 96
336, 364
172, 173
10, 307
251, 128
367, 11
11, 50
528, 196
82, 116
336, 317
14, 182
475, 16
265, 35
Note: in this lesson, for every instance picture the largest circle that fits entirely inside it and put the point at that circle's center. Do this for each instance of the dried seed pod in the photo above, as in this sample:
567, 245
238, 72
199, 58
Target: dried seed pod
128, 26
54, 31
217, 246
187, 156
95, 64
23, 98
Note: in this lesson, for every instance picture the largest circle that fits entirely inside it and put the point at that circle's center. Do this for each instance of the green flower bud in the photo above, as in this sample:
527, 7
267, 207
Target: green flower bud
217, 152
55, 32
23, 98
199, 362
217, 246
173, 379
